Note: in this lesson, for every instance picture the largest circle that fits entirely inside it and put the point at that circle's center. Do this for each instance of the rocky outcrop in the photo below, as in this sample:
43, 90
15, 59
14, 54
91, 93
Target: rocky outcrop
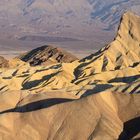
3, 62
47, 55
123, 52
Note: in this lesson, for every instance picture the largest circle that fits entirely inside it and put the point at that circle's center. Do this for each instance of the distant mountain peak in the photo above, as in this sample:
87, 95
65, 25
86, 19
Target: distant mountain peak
129, 27
122, 53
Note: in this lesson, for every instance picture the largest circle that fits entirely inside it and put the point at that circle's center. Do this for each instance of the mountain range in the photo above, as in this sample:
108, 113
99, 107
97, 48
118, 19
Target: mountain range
81, 27
78, 19
47, 93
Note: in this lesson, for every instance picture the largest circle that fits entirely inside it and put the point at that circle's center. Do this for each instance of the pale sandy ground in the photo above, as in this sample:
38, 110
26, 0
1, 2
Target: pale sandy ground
52, 102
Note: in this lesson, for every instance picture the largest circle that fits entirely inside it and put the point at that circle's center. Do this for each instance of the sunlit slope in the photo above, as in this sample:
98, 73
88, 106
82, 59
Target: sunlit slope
99, 116
94, 98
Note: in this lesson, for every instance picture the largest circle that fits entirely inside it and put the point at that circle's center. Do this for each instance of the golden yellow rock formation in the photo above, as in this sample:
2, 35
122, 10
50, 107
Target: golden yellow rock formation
95, 98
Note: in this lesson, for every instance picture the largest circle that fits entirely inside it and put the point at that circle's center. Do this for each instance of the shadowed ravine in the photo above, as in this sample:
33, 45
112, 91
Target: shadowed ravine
131, 129
37, 105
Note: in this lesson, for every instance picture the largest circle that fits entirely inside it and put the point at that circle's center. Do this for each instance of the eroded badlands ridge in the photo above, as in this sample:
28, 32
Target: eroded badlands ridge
50, 100
47, 55
100, 116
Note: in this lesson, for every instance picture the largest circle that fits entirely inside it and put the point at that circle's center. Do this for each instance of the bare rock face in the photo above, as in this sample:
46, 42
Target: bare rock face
3, 62
47, 55
123, 52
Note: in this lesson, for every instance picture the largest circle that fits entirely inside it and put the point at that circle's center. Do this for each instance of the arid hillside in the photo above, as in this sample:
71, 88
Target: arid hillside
47, 55
48, 93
